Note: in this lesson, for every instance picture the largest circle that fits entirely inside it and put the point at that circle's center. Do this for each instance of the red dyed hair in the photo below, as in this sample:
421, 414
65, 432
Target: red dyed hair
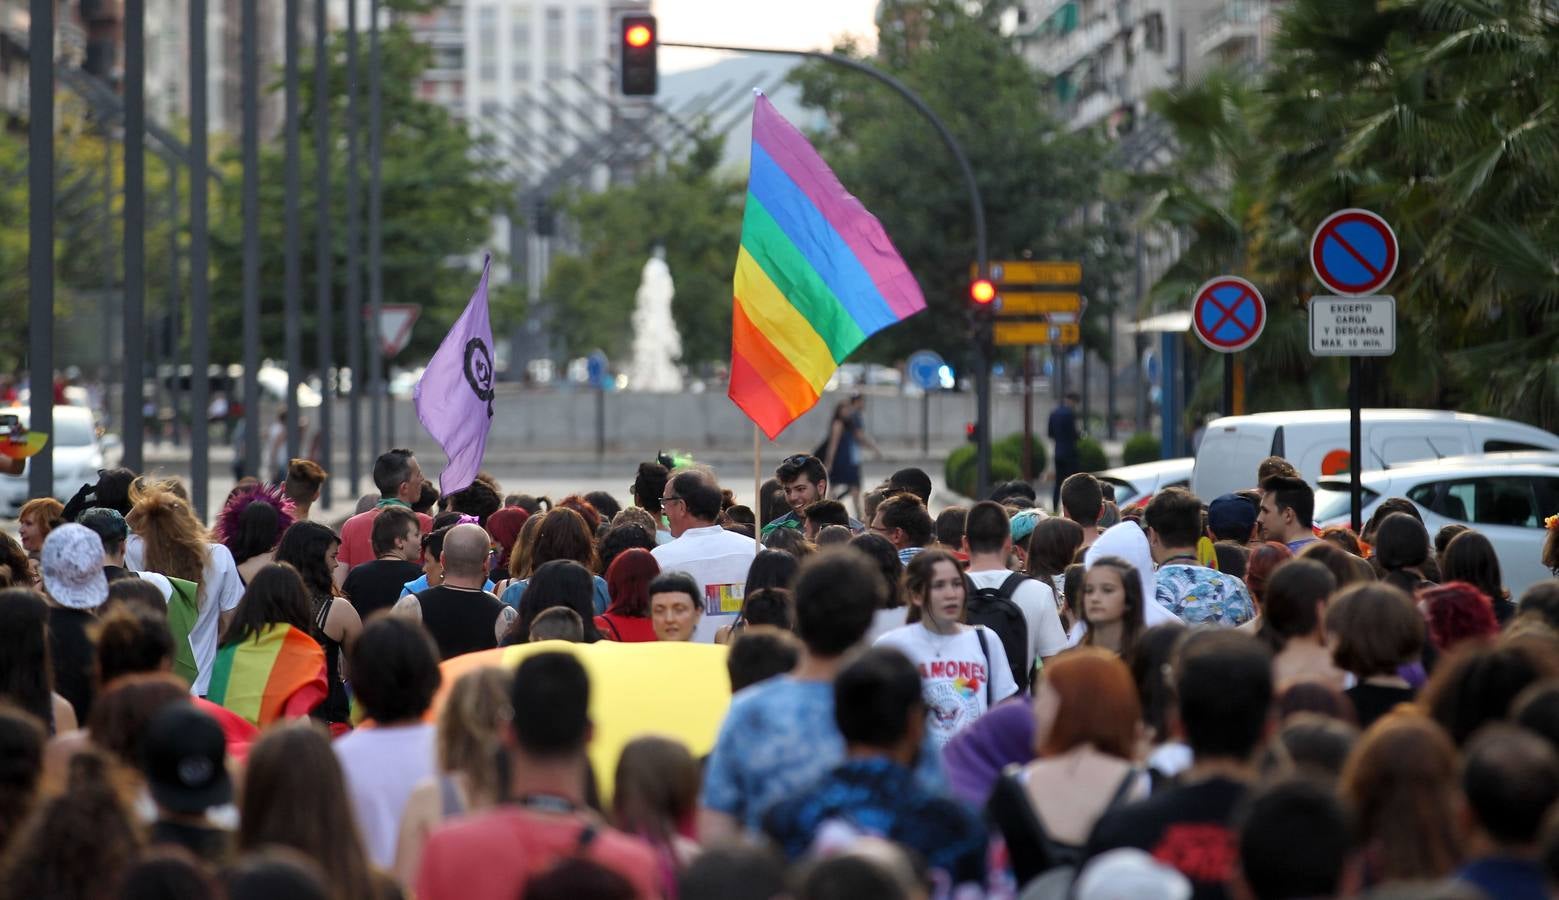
504, 528
628, 582
1099, 703
1263, 560
1457, 612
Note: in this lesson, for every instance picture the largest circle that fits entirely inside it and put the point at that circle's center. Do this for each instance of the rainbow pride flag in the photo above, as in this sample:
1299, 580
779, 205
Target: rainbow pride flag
278, 674
815, 277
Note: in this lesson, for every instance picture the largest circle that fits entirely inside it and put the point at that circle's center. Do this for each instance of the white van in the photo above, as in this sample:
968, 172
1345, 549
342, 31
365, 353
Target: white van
1316, 442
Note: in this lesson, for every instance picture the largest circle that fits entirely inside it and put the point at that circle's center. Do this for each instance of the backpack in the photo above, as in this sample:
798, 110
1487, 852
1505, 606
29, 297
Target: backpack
995, 609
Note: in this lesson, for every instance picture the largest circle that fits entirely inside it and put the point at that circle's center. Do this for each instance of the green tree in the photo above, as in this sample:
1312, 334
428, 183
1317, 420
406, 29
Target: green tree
1038, 182
688, 210
439, 198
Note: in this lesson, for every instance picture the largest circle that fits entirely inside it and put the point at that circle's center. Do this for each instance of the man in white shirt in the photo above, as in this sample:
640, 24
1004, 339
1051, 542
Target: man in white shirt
717, 559
988, 541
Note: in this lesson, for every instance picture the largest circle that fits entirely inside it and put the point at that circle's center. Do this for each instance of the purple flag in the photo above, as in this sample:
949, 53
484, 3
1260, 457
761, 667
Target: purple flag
454, 397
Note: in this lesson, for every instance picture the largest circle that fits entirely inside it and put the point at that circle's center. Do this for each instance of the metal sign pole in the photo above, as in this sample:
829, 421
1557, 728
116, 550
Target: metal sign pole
249, 53
134, 379
1355, 443
292, 262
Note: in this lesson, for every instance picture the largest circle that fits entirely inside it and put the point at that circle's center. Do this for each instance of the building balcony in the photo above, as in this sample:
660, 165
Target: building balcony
1091, 109
1056, 56
1232, 30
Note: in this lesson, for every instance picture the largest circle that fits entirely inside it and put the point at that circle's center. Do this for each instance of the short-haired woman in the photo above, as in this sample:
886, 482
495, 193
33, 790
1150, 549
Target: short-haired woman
1374, 629
676, 605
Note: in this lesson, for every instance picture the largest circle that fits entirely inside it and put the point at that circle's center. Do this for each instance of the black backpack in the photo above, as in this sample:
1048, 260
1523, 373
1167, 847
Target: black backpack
995, 609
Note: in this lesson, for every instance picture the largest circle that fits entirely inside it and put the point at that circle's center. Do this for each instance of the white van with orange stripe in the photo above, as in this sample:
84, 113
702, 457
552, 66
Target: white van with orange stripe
1316, 442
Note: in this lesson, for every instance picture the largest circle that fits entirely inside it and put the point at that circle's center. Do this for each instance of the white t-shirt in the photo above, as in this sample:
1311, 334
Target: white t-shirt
953, 674
1038, 602
382, 766
717, 559
220, 591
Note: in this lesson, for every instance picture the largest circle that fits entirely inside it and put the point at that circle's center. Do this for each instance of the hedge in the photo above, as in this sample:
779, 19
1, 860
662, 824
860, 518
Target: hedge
1141, 448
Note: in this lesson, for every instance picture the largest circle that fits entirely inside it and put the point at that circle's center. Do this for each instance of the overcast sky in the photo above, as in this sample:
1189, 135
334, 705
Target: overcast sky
792, 24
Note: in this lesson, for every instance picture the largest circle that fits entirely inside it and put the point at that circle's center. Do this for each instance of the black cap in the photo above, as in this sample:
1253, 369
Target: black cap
184, 758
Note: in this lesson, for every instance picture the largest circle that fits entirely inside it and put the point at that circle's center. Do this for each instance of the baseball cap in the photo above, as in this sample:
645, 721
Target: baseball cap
184, 758
1023, 522
72, 567
107, 523
1231, 515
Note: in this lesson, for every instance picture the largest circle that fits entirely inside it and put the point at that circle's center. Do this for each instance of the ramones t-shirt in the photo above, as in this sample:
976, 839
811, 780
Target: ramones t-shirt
953, 674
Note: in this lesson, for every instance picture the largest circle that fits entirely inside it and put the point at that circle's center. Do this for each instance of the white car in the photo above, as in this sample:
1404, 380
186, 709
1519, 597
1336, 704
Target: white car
1136, 485
78, 454
1503, 496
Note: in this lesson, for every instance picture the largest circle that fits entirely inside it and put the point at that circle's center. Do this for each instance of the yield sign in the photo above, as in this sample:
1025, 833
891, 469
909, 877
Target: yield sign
395, 321
1228, 314
1354, 252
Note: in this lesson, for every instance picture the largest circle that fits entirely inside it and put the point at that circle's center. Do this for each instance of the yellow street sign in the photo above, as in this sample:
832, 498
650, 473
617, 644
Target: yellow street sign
1022, 334
1025, 303
1029, 271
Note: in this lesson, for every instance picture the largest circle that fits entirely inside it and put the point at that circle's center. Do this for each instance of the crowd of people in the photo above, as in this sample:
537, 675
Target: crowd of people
1189, 698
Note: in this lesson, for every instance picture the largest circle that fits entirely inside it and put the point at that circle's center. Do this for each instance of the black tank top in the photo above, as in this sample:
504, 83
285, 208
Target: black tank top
335, 707
461, 621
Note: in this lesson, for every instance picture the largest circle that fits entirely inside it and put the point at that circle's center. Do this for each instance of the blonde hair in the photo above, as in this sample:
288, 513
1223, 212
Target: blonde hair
521, 558
173, 541
468, 731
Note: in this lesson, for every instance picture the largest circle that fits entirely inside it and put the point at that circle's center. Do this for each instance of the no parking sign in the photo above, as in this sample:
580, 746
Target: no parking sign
1228, 314
1354, 252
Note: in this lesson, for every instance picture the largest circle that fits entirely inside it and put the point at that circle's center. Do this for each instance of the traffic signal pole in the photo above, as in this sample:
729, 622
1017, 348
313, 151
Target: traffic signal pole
982, 340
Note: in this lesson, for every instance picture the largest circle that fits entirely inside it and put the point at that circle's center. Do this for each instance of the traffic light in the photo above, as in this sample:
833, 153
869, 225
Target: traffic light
639, 44
982, 294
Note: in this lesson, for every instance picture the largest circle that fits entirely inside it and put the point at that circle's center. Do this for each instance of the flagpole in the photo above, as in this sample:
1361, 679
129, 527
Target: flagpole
757, 491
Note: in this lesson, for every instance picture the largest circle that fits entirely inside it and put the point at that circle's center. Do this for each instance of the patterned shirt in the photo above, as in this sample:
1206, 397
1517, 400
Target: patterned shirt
878, 797
1203, 596
779, 738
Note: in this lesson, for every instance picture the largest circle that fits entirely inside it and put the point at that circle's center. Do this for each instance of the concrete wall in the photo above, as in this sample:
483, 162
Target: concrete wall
536, 421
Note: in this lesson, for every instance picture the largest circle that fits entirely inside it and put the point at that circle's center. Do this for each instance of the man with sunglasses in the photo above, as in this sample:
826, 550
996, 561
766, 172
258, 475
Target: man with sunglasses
717, 559
805, 482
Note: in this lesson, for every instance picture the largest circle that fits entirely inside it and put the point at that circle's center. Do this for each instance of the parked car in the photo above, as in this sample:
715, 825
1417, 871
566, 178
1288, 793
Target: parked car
1136, 485
78, 453
1505, 496
1316, 442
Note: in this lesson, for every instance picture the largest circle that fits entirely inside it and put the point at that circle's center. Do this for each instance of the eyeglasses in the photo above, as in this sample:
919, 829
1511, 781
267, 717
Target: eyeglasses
665, 500
795, 460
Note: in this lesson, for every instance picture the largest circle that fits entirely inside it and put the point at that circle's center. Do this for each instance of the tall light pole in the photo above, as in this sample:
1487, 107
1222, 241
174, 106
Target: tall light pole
324, 293
354, 273
134, 378
40, 240
249, 67
375, 231
292, 263
199, 274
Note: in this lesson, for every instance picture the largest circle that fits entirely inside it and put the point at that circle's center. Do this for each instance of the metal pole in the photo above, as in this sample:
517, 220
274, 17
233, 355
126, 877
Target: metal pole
199, 274
375, 233
1355, 442
1228, 384
976, 211
324, 254
292, 261
354, 291
40, 240
250, 71
1028, 414
106, 242
1111, 413
170, 355
134, 429
925, 423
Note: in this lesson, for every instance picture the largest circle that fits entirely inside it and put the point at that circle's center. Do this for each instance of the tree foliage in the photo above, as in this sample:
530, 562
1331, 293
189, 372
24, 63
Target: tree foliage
1441, 116
439, 197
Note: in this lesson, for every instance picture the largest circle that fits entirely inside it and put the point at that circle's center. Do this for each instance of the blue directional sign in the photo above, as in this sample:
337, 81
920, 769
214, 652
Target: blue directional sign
595, 368
925, 370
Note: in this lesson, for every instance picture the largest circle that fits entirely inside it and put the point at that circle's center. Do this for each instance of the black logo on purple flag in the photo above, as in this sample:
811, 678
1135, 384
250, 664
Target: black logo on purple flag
479, 371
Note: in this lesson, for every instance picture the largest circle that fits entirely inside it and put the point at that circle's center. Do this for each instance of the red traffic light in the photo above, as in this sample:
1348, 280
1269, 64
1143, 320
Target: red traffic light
638, 35
982, 291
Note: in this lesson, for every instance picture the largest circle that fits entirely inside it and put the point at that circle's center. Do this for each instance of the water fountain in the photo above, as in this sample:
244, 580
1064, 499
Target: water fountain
656, 344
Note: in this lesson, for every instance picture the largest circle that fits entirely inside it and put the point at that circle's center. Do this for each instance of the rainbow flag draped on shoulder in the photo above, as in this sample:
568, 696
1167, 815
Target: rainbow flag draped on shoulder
815, 277
279, 673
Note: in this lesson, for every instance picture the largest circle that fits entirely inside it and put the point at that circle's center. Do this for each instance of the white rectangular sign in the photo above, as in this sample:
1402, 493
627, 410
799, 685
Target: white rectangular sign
1353, 326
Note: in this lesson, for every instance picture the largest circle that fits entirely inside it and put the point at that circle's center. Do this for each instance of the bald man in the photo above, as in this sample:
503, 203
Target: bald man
459, 614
